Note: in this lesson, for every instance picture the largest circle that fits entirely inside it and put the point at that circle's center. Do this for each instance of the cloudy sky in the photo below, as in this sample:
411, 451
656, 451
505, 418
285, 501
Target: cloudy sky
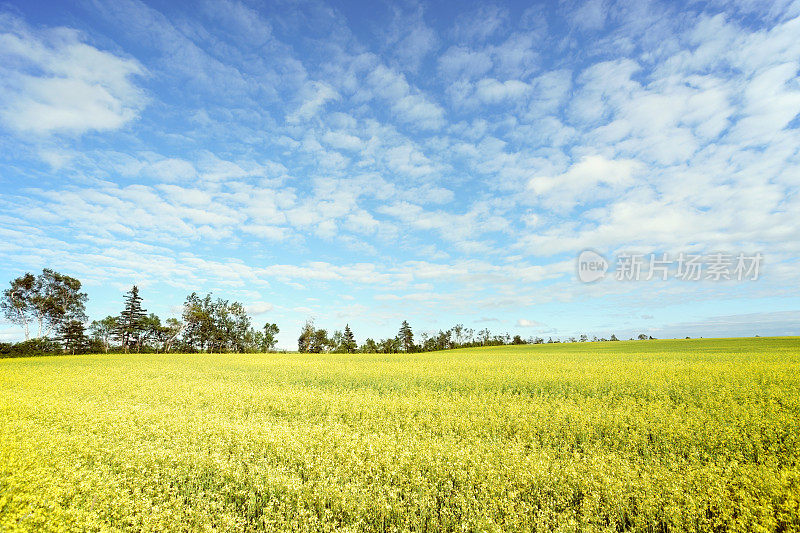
369, 162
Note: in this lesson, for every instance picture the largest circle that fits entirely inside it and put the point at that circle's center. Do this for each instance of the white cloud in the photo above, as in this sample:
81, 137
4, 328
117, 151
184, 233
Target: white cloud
492, 91
459, 61
315, 95
592, 178
480, 24
407, 104
525, 323
416, 109
590, 16
410, 38
342, 140
259, 308
51, 82
170, 170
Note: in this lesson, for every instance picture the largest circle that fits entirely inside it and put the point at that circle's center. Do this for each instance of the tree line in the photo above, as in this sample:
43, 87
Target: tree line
51, 310
317, 340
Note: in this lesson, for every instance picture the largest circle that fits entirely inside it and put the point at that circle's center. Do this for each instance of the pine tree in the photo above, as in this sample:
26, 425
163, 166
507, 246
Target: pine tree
73, 336
131, 322
349, 342
406, 337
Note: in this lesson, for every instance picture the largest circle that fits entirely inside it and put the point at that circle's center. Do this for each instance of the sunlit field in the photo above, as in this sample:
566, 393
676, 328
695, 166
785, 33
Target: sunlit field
687, 435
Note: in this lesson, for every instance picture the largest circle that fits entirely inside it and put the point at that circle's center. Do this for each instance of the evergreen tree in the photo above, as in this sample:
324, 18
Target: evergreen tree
406, 337
131, 322
349, 341
72, 335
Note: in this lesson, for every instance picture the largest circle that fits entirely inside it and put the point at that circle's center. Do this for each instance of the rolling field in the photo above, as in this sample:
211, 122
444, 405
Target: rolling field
685, 435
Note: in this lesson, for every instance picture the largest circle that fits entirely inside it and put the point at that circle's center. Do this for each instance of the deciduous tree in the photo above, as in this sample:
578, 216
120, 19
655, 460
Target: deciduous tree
270, 336
103, 331
49, 300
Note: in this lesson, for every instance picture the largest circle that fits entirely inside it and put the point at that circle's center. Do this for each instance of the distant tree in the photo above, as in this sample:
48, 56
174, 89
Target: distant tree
103, 331
470, 335
369, 346
218, 326
49, 299
443, 341
172, 328
152, 331
31, 347
198, 321
349, 341
642, 337
131, 321
614, 337
320, 341
390, 345
304, 341
234, 329
72, 335
19, 302
423, 339
429, 344
517, 340
484, 335
270, 336
337, 342
458, 335
406, 337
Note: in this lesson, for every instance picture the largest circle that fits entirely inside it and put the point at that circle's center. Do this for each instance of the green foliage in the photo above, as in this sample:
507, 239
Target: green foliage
369, 346
72, 335
306, 335
406, 337
30, 348
132, 321
349, 344
50, 299
269, 340
696, 435
103, 331
219, 326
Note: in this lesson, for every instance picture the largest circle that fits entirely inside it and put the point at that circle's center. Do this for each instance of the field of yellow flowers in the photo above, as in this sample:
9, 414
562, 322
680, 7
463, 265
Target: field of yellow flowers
686, 435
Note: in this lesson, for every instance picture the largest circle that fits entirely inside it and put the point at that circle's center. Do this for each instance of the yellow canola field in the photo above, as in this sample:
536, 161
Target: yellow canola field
684, 435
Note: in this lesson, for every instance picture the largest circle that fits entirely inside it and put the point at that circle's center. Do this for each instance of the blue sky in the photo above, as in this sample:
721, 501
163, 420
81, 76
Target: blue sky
366, 163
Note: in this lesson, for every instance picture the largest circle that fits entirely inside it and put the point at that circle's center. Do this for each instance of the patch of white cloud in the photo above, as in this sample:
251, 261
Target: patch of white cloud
53, 81
314, 97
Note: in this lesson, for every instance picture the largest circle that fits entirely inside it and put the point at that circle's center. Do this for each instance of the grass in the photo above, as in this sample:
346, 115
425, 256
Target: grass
684, 435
